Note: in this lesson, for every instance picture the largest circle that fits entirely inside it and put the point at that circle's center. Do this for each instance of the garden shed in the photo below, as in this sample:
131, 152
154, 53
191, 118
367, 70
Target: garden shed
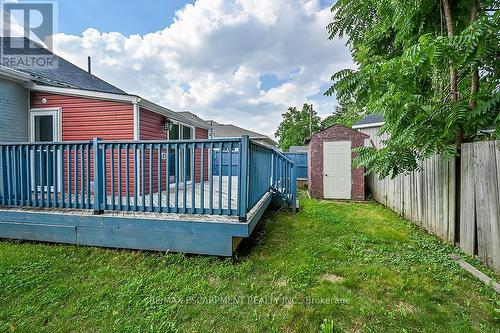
331, 172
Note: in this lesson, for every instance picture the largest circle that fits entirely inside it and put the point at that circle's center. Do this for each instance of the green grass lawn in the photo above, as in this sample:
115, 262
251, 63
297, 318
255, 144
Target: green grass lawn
357, 265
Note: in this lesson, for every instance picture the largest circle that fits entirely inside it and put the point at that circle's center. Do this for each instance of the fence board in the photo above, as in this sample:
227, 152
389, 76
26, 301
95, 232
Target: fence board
467, 202
487, 202
425, 196
428, 198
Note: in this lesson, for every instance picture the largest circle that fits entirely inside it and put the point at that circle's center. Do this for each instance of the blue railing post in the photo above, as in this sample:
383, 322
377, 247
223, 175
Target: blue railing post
293, 188
243, 188
98, 177
3, 158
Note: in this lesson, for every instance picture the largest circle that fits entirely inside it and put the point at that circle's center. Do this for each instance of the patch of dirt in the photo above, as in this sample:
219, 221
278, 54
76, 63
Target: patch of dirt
405, 308
332, 278
281, 283
214, 282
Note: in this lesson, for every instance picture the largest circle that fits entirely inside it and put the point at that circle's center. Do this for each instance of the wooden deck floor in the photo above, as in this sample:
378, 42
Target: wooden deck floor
222, 189
229, 199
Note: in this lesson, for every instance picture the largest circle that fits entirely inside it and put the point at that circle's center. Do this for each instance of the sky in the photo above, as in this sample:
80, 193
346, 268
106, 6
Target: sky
234, 61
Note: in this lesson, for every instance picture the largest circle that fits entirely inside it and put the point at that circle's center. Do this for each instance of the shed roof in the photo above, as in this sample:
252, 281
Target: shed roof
352, 131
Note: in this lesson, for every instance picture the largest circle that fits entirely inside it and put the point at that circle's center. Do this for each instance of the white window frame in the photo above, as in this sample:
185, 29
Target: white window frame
57, 128
193, 129
181, 157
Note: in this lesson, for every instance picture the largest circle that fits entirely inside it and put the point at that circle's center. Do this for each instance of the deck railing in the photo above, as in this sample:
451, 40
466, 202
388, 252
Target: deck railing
146, 176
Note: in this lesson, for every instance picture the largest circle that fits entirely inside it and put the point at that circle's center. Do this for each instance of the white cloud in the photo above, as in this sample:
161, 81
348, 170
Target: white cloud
211, 58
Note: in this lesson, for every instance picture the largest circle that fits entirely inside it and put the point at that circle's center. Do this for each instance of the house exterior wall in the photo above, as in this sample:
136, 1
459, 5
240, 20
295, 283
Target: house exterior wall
201, 133
13, 111
315, 161
374, 138
151, 128
87, 118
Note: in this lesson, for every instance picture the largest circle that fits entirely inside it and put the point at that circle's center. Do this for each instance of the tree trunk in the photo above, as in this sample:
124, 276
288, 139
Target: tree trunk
474, 88
459, 134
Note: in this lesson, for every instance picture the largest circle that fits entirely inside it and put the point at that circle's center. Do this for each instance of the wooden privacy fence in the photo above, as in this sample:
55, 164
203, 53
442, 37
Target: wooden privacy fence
428, 197
228, 160
300, 161
480, 201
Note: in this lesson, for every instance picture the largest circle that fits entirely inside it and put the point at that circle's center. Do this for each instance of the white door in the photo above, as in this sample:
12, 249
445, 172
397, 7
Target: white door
337, 170
45, 127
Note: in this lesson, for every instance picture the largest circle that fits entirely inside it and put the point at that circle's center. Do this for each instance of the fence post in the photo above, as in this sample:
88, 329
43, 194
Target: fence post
98, 177
293, 188
244, 173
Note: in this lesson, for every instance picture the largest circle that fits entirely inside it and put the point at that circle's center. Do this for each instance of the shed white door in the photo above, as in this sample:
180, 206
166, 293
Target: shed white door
337, 170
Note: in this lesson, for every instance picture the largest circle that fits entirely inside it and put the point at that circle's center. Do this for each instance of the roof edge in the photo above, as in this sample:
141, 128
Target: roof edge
308, 139
84, 93
156, 108
368, 125
14, 75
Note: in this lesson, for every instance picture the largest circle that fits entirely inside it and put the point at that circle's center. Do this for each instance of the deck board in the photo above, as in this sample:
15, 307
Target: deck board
156, 196
153, 215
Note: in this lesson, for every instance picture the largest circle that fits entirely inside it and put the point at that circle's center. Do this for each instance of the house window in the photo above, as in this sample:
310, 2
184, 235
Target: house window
187, 132
180, 132
173, 134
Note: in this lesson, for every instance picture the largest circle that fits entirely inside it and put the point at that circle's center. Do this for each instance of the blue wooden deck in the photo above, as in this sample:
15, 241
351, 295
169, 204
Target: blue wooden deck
79, 199
187, 233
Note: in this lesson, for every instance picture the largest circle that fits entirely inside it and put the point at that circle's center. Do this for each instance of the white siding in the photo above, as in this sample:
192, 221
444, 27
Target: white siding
374, 136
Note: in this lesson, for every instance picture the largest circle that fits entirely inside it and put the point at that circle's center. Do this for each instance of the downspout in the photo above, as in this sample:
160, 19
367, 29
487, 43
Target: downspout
137, 137
137, 128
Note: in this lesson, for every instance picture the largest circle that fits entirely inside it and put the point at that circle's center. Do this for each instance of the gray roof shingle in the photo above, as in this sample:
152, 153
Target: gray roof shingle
194, 119
65, 75
371, 119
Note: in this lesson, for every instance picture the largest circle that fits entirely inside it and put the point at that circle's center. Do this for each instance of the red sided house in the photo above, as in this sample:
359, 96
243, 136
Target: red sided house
67, 103
84, 162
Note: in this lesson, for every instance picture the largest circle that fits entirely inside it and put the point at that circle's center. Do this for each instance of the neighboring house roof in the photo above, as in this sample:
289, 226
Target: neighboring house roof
212, 122
233, 131
297, 149
194, 119
371, 120
65, 74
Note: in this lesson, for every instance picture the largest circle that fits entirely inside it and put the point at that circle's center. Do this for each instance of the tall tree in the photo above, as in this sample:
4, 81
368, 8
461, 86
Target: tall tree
297, 126
430, 67
343, 115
